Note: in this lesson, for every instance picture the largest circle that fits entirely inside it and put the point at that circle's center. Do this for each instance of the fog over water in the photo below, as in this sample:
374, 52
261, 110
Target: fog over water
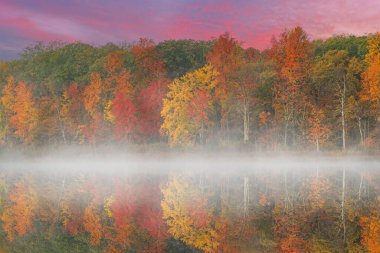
123, 161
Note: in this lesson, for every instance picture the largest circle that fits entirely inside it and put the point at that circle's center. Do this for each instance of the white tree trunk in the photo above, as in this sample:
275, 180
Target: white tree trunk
360, 131
246, 123
342, 100
246, 195
343, 217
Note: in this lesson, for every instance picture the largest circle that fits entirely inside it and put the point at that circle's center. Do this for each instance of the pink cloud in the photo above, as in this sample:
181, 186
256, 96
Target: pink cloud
253, 22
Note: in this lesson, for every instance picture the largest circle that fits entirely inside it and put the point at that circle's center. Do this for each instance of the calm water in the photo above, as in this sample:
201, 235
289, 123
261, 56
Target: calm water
188, 204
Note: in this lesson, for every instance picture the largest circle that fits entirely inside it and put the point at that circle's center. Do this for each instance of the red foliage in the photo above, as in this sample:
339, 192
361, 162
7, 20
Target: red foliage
198, 107
124, 113
150, 213
198, 211
122, 209
149, 107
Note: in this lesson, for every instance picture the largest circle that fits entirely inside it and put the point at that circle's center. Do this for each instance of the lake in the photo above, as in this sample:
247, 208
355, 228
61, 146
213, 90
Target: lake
190, 203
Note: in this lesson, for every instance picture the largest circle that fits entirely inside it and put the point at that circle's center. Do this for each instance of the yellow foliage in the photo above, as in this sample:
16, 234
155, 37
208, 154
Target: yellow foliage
178, 125
107, 206
107, 112
178, 194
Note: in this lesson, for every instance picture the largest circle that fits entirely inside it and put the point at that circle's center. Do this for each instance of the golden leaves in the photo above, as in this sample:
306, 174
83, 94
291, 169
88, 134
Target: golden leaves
178, 124
187, 215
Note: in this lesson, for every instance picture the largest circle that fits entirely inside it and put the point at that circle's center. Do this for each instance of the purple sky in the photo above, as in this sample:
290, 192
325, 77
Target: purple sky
23, 22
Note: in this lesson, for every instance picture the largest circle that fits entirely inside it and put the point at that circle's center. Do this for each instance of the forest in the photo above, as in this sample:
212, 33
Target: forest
299, 94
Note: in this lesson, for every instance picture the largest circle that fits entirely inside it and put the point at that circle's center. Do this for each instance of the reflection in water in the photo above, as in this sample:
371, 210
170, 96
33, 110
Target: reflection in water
319, 209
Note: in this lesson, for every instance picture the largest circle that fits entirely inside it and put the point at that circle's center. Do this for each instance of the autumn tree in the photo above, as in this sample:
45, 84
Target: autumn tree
244, 84
91, 101
19, 212
7, 103
318, 130
338, 73
370, 78
151, 229
292, 52
149, 103
226, 57
23, 120
92, 224
184, 120
188, 221
370, 235
148, 61
123, 111
370, 93
119, 208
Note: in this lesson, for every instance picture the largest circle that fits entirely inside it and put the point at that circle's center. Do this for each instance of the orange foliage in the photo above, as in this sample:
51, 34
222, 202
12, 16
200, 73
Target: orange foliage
316, 189
293, 53
92, 93
370, 77
92, 103
24, 113
370, 233
8, 95
226, 55
288, 230
18, 215
148, 60
264, 118
371, 82
114, 62
92, 224
263, 201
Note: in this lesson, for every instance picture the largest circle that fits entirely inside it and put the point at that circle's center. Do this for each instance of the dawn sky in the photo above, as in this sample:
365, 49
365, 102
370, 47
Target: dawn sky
23, 22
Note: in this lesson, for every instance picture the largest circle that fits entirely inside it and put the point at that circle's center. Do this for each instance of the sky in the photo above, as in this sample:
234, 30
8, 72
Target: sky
24, 22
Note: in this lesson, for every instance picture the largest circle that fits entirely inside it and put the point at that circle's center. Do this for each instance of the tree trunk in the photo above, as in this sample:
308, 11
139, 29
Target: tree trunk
343, 98
343, 217
286, 134
246, 123
317, 144
360, 131
360, 187
246, 195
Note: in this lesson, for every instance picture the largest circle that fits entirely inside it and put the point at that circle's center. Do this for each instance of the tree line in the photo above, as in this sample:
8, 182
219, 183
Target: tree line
298, 94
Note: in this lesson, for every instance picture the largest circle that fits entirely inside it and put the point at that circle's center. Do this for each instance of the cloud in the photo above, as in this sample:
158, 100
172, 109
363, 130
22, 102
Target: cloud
252, 21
